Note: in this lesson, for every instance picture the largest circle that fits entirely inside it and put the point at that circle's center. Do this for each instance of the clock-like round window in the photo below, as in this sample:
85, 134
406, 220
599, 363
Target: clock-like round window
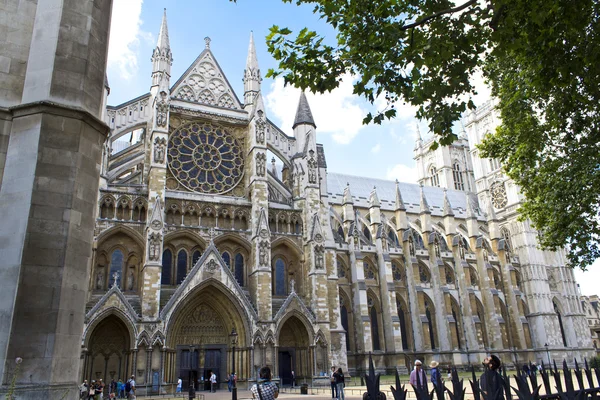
498, 192
205, 158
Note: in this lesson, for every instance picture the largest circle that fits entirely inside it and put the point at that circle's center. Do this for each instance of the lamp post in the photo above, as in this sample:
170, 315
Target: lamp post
234, 337
548, 354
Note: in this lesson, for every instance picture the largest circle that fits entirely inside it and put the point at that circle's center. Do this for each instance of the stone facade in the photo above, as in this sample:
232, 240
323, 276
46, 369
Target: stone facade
52, 72
591, 308
197, 237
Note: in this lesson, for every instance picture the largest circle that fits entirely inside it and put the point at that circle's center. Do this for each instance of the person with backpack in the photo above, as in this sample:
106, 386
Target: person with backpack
130, 388
192, 392
266, 390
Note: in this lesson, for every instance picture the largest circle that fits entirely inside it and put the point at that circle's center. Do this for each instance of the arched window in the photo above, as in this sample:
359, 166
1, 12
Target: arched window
506, 236
374, 325
369, 271
367, 233
424, 275
226, 258
116, 266
456, 327
393, 238
402, 317
560, 324
397, 272
429, 315
167, 262
181, 266
458, 177
340, 232
435, 180
280, 289
344, 318
196, 257
239, 268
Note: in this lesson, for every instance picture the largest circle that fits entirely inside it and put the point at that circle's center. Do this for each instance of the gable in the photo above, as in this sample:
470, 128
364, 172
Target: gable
205, 83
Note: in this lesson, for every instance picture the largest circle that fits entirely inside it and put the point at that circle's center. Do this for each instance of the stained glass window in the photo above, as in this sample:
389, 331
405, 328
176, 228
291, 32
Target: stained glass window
196, 257
239, 268
227, 258
116, 266
205, 158
279, 277
167, 261
181, 266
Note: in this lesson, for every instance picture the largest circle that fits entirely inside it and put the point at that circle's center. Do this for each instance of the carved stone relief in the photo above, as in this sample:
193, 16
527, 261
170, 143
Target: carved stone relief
160, 145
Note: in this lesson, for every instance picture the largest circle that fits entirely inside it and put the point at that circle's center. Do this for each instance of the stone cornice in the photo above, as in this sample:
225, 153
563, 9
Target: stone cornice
49, 107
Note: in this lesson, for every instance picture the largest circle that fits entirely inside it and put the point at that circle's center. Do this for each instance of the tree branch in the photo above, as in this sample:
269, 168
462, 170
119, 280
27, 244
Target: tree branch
437, 14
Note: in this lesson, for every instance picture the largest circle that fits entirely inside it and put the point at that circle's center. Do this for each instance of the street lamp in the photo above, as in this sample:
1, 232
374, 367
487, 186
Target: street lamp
548, 354
234, 338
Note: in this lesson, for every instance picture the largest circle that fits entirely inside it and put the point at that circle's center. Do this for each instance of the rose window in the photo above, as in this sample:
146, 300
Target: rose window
498, 192
205, 158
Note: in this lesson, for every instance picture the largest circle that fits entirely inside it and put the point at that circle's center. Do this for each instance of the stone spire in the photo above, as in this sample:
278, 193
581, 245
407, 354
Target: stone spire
447, 206
424, 204
470, 210
348, 204
303, 113
162, 59
252, 78
399, 201
374, 199
472, 226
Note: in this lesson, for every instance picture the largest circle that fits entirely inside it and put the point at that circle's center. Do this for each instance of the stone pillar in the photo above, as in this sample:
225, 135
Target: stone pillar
134, 361
413, 299
362, 322
50, 100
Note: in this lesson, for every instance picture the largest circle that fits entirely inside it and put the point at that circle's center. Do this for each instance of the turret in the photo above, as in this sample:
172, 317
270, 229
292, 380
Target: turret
252, 78
162, 59
304, 126
374, 208
448, 215
400, 208
472, 227
425, 213
348, 204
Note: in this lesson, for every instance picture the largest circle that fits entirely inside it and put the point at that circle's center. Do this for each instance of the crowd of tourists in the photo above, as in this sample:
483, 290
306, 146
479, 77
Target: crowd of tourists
99, 390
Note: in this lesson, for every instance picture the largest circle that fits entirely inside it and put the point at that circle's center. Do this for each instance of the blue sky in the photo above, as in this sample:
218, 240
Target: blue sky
384, 151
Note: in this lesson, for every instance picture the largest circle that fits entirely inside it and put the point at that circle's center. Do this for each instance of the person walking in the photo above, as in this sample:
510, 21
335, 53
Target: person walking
83, 390
340, 383
491, 382
213, 382
230, 381
192, 392
266, 390
436, 377
421, 382
130, 388
293, 379
120, 389
334, 394
92, 390
179, 383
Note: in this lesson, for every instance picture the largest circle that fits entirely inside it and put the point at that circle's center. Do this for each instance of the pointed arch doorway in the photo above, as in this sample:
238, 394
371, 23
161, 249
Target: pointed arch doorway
294, 353
199, 339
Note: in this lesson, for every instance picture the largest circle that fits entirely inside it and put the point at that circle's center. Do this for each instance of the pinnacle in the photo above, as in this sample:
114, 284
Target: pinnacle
252, 60
163, 35
303, 113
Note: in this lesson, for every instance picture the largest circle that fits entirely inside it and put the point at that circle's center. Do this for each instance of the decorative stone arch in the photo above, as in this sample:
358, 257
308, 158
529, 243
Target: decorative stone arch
456, 323
302, 317
285, 249
190, 298
144, 340
343, 271
108, 341
120, 228
107, 205
289, 243
234, 237
480, 320
370, 268
284, 159
258, 339
127, 320
424, 272
189, 233
430, 328
295, 338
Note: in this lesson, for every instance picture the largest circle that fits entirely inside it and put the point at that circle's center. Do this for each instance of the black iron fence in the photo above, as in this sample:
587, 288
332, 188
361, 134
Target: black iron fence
546, 384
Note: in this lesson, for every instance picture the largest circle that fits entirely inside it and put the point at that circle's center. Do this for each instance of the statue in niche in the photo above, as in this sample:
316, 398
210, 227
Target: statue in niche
436, 246
486, 256
319, 257
461, 251
159, 150
263, 248
260, 128
162, 109
130, 279
411, 246
261, 164
100, 280
312, 169
154, 246
105, 156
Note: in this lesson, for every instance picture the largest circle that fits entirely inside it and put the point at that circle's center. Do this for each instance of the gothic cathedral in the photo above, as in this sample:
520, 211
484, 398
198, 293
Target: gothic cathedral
203, 245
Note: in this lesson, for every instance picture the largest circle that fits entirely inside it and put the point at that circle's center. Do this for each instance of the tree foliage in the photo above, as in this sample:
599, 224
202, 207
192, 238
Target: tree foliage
540, 57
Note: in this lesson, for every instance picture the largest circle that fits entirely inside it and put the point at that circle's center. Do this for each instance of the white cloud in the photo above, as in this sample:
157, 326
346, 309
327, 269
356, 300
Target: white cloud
484, 93
589, 279
403, 173
125, 36
375, 149
336, 113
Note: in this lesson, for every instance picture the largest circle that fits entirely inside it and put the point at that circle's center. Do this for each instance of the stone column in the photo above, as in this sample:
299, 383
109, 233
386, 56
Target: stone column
52, 96
134, 361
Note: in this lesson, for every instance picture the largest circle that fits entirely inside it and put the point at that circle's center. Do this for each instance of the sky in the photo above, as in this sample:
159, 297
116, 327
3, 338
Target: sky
378, 151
